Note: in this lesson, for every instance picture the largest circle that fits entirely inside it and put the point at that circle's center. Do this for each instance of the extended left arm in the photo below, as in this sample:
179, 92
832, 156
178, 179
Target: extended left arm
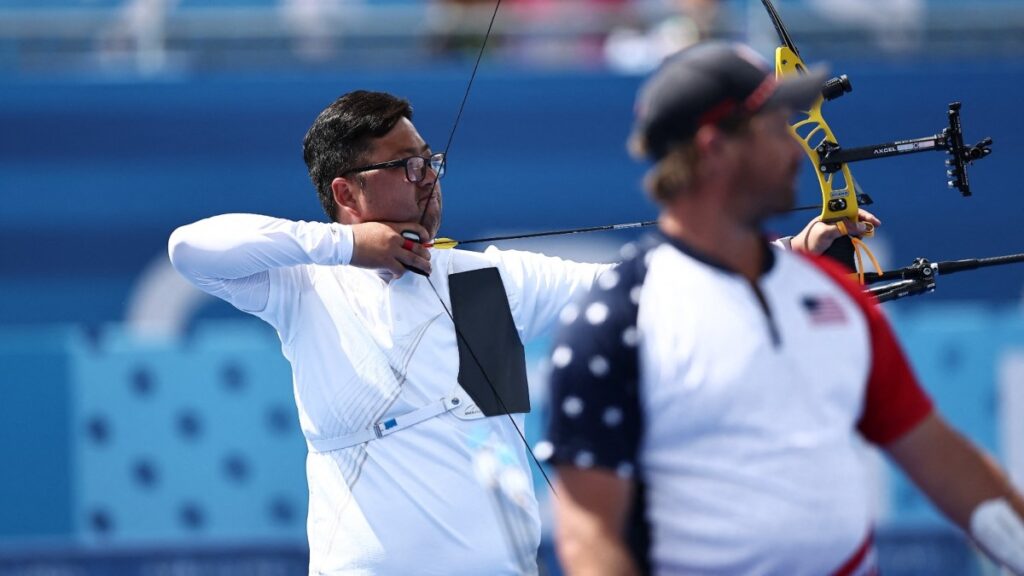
966, 485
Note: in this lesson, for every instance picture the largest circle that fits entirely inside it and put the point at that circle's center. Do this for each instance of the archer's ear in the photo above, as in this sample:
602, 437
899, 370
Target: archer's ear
710, 144
708, 140
346, 194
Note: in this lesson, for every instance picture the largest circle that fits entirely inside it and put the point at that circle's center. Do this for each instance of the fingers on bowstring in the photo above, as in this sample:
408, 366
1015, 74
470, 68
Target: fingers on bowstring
416, 248
414, 255
413, 261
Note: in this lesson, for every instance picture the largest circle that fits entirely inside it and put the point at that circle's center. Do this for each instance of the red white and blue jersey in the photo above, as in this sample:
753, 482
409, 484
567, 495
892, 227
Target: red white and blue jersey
736, 404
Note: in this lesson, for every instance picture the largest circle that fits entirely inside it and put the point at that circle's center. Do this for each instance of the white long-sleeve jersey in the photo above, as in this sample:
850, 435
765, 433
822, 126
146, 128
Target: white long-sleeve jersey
446, 496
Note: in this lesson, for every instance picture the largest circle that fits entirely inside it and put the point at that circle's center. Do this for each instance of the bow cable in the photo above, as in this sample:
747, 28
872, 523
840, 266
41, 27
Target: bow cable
426, 206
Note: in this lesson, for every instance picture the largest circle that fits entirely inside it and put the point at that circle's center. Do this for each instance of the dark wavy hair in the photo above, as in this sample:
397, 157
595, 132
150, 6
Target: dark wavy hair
343, 132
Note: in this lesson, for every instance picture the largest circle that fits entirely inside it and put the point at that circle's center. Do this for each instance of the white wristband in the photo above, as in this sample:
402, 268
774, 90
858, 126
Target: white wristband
1000, 531
785, 242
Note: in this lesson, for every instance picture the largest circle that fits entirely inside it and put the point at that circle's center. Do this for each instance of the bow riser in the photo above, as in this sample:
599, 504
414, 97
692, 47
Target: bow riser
838, 196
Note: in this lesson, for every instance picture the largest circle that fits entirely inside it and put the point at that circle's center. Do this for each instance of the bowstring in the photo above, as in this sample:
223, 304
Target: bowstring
426, 206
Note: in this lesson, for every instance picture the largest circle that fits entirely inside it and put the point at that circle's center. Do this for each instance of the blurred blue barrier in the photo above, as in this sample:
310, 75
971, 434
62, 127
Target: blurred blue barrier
222, 560
143, 443
131, 452
36, 496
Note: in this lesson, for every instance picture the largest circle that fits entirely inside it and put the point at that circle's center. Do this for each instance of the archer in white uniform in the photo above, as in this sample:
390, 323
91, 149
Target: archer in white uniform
405, 474
727, 379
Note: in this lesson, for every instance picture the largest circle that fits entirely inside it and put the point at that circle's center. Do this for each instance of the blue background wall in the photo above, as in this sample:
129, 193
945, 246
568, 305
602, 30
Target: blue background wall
95, 174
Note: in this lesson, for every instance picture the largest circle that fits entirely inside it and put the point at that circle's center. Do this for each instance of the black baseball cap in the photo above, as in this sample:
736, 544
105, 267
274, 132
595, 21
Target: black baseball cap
707, 83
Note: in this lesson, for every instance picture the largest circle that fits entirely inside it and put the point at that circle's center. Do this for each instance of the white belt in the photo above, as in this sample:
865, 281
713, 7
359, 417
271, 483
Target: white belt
389, 426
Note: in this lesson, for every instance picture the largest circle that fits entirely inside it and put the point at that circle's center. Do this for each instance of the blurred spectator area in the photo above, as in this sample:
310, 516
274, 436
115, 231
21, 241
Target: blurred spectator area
172, 36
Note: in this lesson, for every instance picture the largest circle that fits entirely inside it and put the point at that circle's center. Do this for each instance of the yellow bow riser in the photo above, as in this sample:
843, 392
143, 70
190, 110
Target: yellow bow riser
838, 190
811, 131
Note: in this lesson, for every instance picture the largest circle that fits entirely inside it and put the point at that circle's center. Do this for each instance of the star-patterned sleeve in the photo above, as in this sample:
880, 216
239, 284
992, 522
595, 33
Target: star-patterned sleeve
595, 419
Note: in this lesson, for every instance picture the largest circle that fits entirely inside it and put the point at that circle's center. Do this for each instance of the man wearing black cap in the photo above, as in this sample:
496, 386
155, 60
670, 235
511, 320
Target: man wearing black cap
716, 385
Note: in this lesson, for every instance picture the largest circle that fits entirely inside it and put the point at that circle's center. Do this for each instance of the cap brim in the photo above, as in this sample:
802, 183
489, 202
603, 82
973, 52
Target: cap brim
799, 92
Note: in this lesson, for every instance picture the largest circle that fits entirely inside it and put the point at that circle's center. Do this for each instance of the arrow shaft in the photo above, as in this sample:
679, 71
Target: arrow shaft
603, 228
607, 227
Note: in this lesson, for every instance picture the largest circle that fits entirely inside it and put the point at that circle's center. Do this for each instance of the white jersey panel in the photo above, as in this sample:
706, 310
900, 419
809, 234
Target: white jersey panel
741, 457
446, 496
736, 405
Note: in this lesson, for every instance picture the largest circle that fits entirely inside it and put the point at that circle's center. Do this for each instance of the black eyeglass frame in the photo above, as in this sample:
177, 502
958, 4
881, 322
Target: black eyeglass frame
437, 163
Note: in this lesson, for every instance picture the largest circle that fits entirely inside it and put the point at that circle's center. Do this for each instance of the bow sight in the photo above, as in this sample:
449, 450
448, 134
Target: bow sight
839, 195
951, 140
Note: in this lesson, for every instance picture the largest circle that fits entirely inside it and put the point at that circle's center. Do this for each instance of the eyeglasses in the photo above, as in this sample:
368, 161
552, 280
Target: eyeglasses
415, 166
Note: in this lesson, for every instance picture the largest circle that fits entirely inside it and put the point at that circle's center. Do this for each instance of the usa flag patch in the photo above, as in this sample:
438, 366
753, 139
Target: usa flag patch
824, 310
